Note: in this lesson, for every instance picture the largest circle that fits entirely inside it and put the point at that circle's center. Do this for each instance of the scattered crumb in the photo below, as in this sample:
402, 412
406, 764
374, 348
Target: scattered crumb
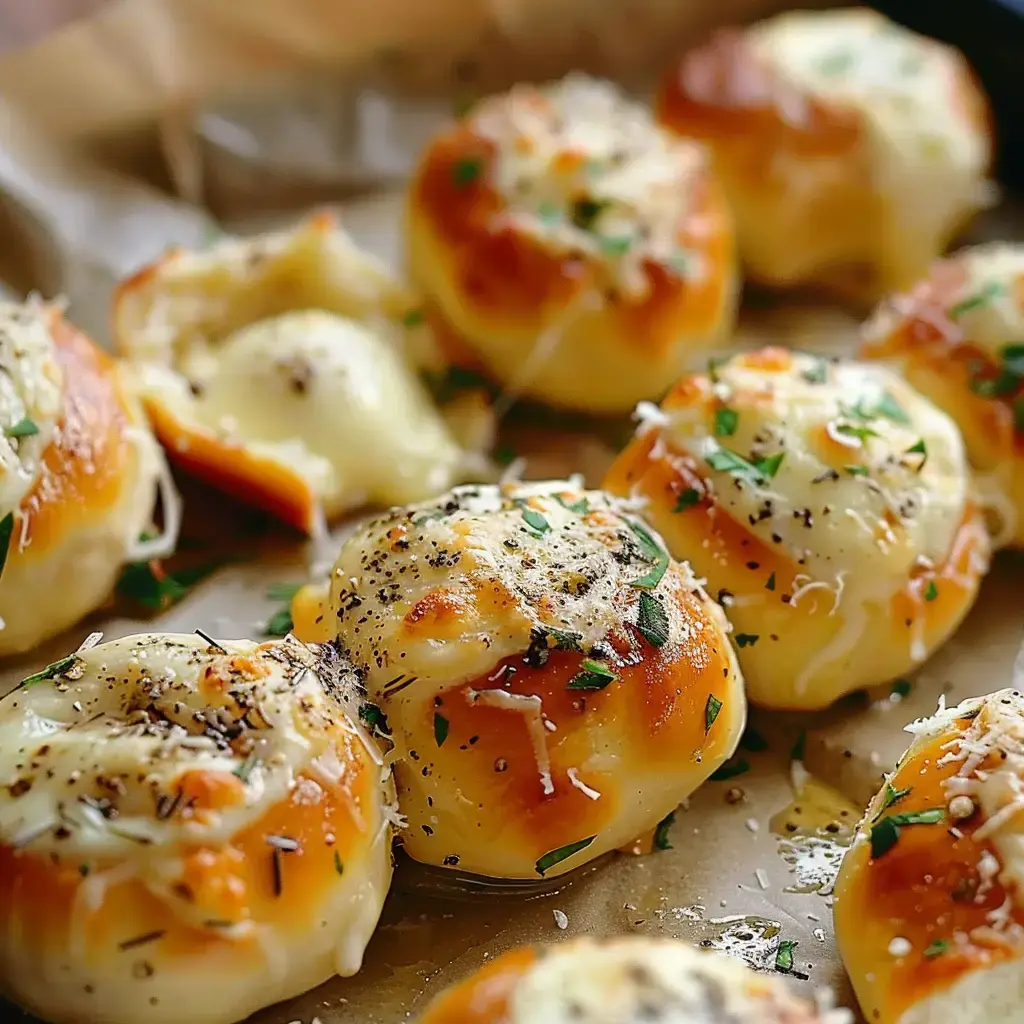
561, 919
899, 947
753, 824
819, 934
734, 795
762, 877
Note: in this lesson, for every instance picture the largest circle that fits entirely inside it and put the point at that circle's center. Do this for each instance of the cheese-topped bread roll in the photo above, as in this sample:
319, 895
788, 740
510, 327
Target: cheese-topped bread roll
272, 368
852, 149
929, 909
553, 682
187, 830
958, 337
632, 980
580, 252
79, 476
829, 507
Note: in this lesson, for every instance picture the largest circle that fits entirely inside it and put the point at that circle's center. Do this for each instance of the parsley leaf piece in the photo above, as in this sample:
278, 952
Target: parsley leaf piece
981, 297
784, 955
888, 407
535, 520
280, 623
920, 448
729, 770
747, 639
724, 460
857, 470
862, 433
770, 585
893, 795
440, 729
616, 246
817, 373
549, 860
565, 640
901, 687
1013, 359
585, 211
935, 948
799, 747
711, 710
413, 318
886, 833
374, 719
594, 676
652, 620
687, 499
339, 865
149, 585
654, 552
581, 507
661, 840
465, 172
6, 532
726, 421
23, 428
931, 591
54, 670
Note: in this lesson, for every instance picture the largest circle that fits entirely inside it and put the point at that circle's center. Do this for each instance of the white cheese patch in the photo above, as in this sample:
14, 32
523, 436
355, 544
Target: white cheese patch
861, 527
928, 160
628, 981
587, 170
439, 593
325, 396
31, 398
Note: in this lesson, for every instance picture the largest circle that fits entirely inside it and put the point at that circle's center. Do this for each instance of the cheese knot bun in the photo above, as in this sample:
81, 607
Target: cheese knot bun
273, 368
622, 981
852, 149
958, 337
80, 473
182, 818
553, 682
929, 910
829, 507
579, 252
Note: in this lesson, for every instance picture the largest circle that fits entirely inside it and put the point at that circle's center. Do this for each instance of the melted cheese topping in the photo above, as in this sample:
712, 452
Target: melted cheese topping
586, 170
863, 481
439, 593
628, 981
31, 398
990, 755
94, 756
325, 396
928, 158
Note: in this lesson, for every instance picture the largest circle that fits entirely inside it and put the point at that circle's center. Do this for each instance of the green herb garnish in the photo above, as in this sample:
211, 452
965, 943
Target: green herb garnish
581, 507
535, 520
784, 955
816, 374
54, 670
687, 499
746, 639
901, 687
6, 532
726, 421
661, 840
440, 729
770, 585
549, 860
920, 448
23, 428
653, 552
616, 246
888, 407
886, 833
652, 620
857, 470
931, 591
585, 211
711, 710
280, 623
338, 864
465, 172
413, 318
724, 460
936, 948
981, 297
893, 795
245, 769
147, 584
594, 676
375, 719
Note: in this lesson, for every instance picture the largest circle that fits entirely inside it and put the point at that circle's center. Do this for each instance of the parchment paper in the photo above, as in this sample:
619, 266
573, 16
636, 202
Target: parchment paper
70, 227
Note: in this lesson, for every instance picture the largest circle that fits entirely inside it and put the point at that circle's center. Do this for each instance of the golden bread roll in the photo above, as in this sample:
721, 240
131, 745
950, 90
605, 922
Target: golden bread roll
188, 830
80, 473
929, 914
958, 337
827, 505
553, 682
852, 150
632, 980
273, 368
582, 255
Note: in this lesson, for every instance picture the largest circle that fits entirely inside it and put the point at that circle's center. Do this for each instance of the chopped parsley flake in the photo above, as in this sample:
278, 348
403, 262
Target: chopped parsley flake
857, 470
731, 768
981, 297
654, 552
616, 246
565, 640
817, 373
687, 499
711, 710
661, 840
246, 768
6, 532
893, 795
594, 676
886, 833
23, 428
581, 507
549, 860
724, 460
440, 729
652, 620
535, 520
770, 585
901, 688
148, 584
891, 409
799, 747
726, 421
280, 623
54, 670
746, 639
1013, 359
784, 955
413, 318
931, 591
936, 948
338, 864
920, 448
585, 212
375, 719
858, 431
465, 172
